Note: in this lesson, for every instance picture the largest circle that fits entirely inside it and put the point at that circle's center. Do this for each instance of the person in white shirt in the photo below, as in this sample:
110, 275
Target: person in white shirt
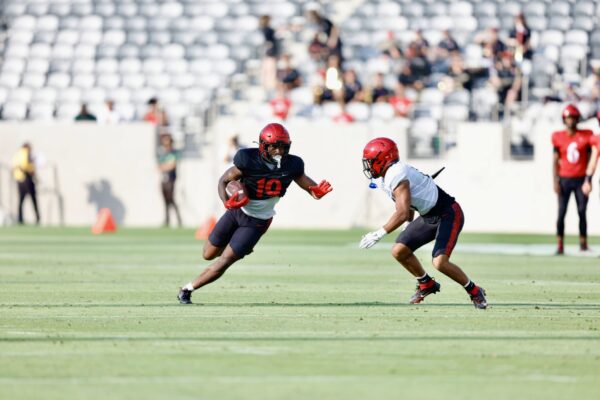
109, 116
441, 219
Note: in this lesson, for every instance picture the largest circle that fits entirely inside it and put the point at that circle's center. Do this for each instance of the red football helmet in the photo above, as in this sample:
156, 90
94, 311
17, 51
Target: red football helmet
571, 111
273, 134
378, 155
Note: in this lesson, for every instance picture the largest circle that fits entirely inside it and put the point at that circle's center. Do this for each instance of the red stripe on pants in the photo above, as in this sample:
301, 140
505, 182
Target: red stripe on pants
458, 219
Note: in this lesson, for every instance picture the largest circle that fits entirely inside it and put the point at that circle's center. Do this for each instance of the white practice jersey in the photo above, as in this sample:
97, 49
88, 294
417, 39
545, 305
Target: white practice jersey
423, 190
262, 209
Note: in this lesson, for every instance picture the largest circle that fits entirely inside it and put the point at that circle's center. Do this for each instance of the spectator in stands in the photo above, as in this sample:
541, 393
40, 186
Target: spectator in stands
457, 77
109, 116
85, 115
317, 49
167, 165
504, 79
419, 47
155, 114
24, 174
353, 88
591, 86
271, 52
391, 48
408, 78
519, 37
333, 85
379, 93
281, 104
492, 46
232, 147
448, 44
287, 74
330, 32
400, 102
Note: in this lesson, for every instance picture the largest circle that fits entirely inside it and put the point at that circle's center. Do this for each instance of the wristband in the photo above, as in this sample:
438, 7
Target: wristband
588, 178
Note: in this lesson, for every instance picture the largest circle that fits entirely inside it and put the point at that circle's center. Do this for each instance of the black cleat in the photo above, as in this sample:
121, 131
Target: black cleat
424, 290
184, 296
478, 298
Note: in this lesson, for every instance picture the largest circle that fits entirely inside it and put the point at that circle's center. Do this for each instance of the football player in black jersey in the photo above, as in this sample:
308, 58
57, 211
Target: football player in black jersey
266, 172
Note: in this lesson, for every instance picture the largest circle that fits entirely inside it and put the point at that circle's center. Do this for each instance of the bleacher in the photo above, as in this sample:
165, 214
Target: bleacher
59, 54
189, 53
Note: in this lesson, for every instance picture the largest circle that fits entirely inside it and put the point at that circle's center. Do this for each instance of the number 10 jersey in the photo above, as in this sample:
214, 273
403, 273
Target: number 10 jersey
265, 183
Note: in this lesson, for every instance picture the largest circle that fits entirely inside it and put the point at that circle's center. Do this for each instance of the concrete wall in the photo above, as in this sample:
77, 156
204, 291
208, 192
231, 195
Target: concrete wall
89, 166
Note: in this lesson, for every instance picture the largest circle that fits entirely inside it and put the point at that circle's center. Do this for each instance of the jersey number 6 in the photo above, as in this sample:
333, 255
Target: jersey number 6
271, 187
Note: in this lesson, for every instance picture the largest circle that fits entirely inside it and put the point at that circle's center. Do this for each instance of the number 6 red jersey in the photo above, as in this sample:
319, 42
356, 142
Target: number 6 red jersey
265, 183
573, 151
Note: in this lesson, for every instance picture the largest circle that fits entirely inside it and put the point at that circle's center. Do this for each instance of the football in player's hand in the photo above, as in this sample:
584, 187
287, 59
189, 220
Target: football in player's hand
234, 187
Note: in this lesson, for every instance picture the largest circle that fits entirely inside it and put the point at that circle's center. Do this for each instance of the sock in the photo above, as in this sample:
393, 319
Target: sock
470, 287
560, 243
189, 287
583, 243
424, 279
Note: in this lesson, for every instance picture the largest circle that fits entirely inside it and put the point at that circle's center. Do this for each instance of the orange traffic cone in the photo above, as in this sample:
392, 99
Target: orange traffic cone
105, 222
206, 228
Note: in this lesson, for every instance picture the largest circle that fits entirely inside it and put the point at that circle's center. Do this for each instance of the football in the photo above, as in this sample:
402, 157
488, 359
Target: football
236, 187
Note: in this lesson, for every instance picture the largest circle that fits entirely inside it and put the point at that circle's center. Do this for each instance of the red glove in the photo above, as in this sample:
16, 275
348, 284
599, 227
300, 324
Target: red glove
321, 189
233, 202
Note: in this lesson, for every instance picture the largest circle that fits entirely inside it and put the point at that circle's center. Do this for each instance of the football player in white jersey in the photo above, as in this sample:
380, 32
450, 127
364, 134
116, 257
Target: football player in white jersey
441, 219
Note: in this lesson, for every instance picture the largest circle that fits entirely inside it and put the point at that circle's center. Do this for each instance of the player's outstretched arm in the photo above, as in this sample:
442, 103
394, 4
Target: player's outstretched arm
402, 214
310, 186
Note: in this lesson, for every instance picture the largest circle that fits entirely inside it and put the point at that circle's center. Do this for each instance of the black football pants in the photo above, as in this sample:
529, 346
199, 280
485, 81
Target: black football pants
27, 187
568, 185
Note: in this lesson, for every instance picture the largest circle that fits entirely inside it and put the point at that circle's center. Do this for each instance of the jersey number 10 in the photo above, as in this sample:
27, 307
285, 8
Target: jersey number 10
271, 187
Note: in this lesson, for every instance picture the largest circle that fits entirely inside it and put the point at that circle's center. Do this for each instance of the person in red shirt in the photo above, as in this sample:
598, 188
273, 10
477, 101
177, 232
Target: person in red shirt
589, 173
402, 104
571, 156
281, 104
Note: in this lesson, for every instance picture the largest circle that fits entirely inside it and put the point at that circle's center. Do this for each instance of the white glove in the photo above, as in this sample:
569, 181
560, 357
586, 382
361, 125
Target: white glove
371, 238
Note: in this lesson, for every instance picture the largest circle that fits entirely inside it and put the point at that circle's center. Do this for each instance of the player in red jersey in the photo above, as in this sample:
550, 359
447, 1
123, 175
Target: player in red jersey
571, 156
266, 172
589, 173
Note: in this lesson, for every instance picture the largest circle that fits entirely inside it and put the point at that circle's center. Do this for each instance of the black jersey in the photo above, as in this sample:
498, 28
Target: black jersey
264, 180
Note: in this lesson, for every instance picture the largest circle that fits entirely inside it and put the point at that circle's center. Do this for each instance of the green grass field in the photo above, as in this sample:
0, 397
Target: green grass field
307, 316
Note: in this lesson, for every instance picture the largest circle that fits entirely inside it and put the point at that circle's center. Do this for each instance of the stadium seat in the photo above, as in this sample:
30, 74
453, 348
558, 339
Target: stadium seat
583, 8
41, 111
67, 111
33, 80
69, 95
534, 9
578, 37
14, 111
560, 9
382, 111
45, 95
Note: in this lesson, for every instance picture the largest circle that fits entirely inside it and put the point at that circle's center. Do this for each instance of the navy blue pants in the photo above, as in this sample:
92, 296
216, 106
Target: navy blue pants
238, 230
443, 227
